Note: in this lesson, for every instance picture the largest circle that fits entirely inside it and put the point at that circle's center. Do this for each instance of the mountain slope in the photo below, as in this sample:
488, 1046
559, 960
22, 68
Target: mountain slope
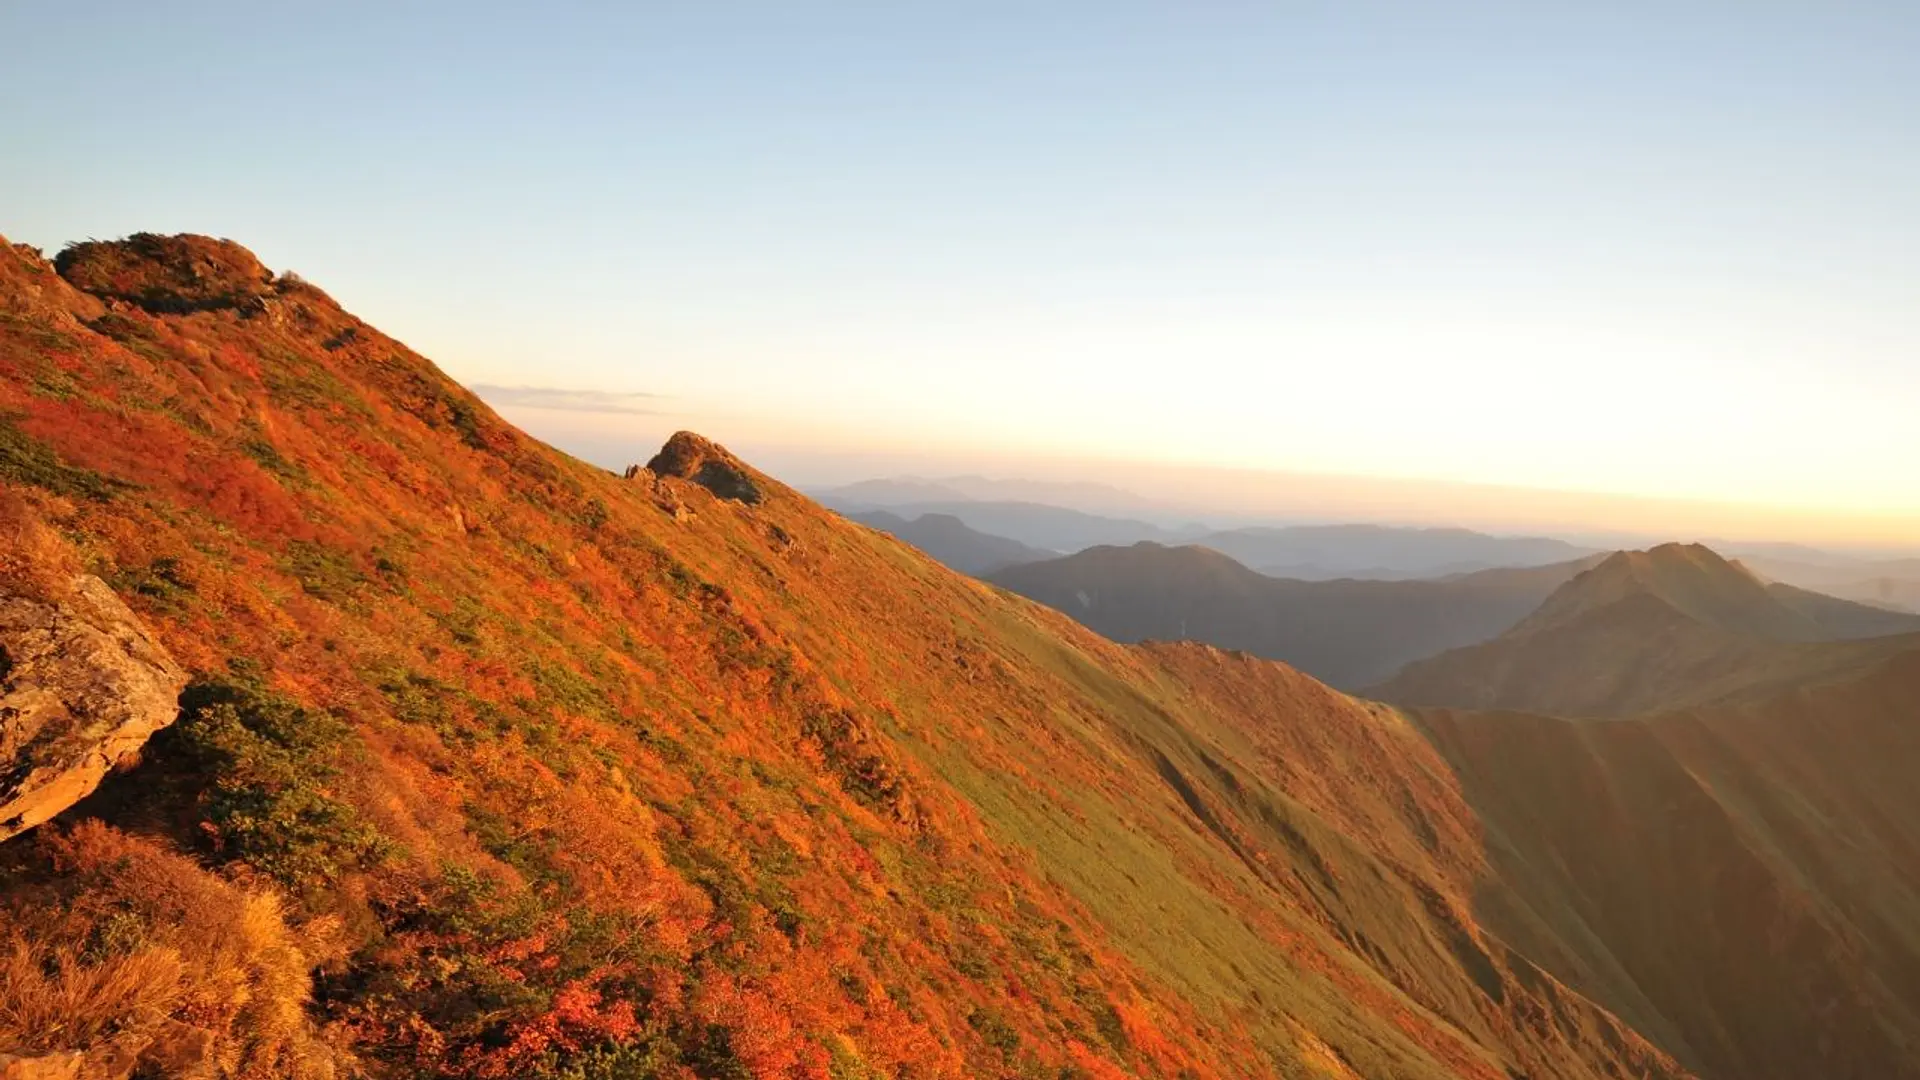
1714, 852
494, 764
951, 542
543, 772
1350, 633
1647, 630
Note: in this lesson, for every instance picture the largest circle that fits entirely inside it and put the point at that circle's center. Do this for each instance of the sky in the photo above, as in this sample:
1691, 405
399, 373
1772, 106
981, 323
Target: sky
1669, 253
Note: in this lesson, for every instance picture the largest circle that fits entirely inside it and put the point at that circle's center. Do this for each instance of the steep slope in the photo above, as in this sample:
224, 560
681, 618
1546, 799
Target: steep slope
1319, 552
1742, 883
1647, 630
1349, 633
494, 764
951, 542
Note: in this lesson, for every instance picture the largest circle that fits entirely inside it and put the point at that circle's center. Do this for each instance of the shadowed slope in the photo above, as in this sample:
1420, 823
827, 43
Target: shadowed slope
1741, 883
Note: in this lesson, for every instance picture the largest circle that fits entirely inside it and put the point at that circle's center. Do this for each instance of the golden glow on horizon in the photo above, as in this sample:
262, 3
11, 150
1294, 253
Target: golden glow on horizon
807, 450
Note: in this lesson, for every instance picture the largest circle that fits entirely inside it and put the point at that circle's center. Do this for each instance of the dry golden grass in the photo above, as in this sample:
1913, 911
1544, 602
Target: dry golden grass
55, 999
34, 561
141, 939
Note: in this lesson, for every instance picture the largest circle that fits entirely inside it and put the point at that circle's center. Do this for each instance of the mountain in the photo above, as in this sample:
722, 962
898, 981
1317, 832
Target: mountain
1051, 528
491, 764
948, 540
1319, 552
1646, 630
1084, 496
1307, 552
1351, 633
892, 491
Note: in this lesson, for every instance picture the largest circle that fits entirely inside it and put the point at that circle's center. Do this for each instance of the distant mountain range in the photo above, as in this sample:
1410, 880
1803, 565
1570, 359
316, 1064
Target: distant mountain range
1084, 496
1891, 583
1309, 552
1649, 630
1319, 552
1068, 516
1350, 633
949, 540
1039, 525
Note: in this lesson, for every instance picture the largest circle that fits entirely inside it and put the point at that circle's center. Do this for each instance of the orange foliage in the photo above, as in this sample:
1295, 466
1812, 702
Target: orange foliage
730, 788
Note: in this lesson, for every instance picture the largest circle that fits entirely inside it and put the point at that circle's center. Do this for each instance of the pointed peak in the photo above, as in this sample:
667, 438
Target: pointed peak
707, 463
1671, 561
1692, 579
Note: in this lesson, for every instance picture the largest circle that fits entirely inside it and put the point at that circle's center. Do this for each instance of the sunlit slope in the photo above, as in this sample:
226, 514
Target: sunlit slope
1650, 630
679, 775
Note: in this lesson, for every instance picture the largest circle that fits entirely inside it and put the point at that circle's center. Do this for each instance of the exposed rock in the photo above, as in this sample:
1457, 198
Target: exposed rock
64, 1066
169, 274
82, 687
708, 464
662, 495
118, 1058
181, 1052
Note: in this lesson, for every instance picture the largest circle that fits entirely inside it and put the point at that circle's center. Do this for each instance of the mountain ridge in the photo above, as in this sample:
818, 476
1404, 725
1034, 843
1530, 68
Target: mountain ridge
495, 764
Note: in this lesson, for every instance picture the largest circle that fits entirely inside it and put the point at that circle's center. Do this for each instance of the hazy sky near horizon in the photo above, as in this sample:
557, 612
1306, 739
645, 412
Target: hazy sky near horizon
1661, 250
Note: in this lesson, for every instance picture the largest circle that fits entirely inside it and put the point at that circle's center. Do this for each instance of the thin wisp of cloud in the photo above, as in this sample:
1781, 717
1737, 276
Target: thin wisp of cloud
631, 403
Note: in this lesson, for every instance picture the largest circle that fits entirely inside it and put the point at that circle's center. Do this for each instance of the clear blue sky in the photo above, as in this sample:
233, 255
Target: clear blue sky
1661, 249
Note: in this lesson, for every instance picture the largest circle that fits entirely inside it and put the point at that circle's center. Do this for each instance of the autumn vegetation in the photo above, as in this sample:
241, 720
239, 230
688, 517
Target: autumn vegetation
495, 764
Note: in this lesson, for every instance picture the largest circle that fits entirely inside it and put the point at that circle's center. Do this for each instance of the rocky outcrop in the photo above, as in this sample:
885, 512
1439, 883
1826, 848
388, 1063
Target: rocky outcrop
177, 1051
82, 688
708, 464
169, 274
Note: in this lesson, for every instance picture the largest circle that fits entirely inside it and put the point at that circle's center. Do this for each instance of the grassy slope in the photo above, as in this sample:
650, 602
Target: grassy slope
622, 770
592, 778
